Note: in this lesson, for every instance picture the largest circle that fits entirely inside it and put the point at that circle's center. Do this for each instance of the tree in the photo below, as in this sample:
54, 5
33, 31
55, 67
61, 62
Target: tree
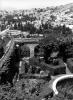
49, 44
19, 26
45, 26
9, 18
1, 47
55, 42
66, 31
36, 50
53, 18
15, 26
1, 51
29, 27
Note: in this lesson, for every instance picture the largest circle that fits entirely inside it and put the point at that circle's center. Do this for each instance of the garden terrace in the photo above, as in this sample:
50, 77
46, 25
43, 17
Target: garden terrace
58, 69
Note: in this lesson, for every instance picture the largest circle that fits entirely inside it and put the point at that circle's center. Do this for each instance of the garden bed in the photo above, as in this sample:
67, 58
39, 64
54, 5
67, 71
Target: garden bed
26, 89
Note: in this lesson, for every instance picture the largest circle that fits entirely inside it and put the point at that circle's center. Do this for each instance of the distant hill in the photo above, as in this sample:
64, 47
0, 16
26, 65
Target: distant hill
56, 15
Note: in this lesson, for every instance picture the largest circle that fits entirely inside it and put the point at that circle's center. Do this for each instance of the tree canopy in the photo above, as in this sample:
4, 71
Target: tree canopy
53, 43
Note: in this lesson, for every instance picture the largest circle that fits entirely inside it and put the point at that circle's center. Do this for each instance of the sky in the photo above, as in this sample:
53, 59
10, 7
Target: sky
28, 4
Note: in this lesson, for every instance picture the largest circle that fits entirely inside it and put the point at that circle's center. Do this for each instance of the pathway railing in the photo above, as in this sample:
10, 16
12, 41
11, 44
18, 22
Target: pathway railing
7, 54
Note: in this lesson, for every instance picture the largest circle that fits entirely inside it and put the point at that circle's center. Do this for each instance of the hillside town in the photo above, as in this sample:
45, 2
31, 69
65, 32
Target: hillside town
55, 15
36, 53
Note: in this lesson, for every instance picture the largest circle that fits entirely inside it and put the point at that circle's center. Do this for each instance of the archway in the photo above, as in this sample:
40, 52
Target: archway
25, 51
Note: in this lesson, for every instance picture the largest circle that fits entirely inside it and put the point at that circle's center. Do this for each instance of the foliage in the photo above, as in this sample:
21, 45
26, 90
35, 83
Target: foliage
3, 27
27, 27
24, 89
1, 48
1, 51
28, 18
9, 18
53, 18
63, 44
59, 30
49, 44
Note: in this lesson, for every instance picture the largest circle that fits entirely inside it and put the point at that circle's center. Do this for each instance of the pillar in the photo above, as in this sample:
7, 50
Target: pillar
32, 46
31, 51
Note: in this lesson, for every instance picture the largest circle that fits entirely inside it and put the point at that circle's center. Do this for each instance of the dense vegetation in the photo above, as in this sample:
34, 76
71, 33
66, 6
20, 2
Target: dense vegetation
56, 39
59, 40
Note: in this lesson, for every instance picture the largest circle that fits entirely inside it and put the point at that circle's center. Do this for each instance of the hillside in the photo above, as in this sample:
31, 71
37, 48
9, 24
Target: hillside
56, 15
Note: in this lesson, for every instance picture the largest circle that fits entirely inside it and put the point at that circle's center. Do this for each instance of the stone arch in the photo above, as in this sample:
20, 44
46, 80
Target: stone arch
25, 50
32, 46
